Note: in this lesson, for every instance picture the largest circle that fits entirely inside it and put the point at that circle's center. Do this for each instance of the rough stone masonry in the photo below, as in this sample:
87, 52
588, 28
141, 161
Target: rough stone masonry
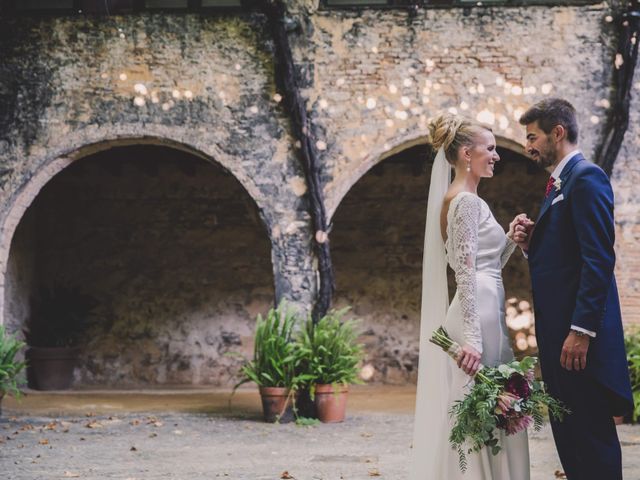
147, 157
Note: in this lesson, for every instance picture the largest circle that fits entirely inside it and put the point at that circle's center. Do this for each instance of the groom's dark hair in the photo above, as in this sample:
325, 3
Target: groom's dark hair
551, 112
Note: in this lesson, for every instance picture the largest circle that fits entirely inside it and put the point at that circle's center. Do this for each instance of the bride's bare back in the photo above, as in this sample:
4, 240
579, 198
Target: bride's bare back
450, 195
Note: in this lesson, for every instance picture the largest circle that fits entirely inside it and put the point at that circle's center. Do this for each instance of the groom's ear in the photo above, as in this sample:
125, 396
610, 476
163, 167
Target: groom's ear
559, 133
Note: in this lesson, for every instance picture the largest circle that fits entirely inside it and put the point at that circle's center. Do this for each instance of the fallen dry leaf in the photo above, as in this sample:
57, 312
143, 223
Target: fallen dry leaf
153, 434
94, 424
560, 474
374, 472
51, 426
71, 474
154, 421
366, 434
44, 441
286, 475
134, 422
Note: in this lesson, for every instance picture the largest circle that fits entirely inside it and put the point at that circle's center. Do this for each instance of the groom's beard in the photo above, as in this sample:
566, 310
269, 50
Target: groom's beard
545, 157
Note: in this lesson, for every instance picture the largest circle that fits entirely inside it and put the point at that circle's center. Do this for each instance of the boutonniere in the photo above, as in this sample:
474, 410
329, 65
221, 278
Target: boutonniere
557, 184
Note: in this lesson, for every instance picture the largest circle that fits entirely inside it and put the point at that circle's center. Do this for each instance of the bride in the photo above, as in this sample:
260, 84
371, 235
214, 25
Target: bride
462, 231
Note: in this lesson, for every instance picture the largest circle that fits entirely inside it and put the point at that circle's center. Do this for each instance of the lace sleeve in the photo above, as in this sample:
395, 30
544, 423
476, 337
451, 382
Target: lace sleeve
506, 253
464, 241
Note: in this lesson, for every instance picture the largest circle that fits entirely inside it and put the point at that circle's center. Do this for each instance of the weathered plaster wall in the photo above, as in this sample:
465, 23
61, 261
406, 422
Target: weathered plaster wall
381, 75
625, 180
71, 86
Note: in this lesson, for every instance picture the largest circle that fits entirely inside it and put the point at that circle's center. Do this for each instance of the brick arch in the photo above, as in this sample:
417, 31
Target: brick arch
62, 156
336, 192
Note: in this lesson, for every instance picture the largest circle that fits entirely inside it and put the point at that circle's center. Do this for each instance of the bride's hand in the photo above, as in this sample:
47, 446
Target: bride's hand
469, 360
520, 220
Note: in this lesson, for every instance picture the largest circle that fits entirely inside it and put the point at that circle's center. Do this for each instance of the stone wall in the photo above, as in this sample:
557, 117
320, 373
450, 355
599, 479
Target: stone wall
71, 87
625, 180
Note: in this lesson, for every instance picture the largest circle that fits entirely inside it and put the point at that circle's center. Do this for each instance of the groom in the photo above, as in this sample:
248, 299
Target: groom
578, 322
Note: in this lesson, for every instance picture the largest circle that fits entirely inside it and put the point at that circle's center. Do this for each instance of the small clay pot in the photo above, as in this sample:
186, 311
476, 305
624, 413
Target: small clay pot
331, 402
51, 368
277, 404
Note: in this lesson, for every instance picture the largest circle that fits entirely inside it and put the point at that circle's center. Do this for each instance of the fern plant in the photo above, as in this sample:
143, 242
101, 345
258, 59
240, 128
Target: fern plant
9, 367
328, 352
274, 354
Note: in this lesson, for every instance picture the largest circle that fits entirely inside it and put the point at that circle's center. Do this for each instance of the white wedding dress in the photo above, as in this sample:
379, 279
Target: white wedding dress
476, 249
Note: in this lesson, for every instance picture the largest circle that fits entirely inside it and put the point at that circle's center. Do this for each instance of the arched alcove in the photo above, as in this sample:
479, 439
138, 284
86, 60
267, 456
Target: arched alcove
171, 246
377, 242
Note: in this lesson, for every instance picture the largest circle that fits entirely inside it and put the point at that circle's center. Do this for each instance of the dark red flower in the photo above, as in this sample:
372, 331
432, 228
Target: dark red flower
518, 385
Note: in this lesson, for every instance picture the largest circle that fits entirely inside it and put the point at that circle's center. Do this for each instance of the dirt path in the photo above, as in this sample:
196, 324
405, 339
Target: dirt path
192, 435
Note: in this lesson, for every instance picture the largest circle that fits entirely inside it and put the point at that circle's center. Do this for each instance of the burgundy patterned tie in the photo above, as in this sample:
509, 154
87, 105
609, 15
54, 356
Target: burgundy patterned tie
549, 186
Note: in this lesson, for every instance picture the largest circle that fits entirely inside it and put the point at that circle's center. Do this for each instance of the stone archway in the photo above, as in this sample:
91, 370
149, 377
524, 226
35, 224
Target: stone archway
377, 243
171, 245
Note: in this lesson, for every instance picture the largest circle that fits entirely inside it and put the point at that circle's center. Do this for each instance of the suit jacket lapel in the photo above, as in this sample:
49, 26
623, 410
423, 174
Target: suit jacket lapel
566, 171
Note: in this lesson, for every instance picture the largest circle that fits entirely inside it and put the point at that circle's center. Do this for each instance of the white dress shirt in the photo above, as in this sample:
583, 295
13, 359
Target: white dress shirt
558, 170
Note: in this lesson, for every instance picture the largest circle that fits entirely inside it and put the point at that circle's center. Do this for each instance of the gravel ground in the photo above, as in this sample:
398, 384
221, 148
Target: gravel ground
160, 445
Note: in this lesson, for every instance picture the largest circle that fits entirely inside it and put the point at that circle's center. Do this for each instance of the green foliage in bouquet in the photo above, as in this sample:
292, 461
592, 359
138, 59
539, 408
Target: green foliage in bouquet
632, 345
507, 397
9, 367
328, 352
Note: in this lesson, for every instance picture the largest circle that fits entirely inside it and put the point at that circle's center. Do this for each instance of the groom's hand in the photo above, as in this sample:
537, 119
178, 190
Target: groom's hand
520, 230
574, 351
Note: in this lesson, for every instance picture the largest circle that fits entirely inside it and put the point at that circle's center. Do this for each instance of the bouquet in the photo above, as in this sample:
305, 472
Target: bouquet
507, 397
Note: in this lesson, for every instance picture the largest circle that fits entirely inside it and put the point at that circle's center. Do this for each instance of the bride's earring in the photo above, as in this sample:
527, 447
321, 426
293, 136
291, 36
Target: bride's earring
468, 165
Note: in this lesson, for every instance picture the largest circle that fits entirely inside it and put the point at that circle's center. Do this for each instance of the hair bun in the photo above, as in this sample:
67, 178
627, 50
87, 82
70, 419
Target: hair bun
442, 131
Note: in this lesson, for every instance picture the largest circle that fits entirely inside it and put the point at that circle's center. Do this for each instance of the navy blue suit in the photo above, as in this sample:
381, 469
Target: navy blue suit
571, 260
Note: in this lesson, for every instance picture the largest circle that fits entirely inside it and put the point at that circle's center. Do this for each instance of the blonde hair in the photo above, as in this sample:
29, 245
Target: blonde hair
452, 132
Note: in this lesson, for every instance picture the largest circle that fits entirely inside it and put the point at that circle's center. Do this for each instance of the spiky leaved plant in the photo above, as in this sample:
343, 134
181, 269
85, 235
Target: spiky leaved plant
10, 368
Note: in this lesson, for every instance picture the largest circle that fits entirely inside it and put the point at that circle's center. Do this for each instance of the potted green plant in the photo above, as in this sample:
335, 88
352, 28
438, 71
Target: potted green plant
273, 367
60, 317
10, 368
329, 355
632, 346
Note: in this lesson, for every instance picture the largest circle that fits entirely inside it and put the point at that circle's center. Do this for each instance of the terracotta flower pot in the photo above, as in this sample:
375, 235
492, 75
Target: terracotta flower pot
277, 404
51, 368
331, 402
